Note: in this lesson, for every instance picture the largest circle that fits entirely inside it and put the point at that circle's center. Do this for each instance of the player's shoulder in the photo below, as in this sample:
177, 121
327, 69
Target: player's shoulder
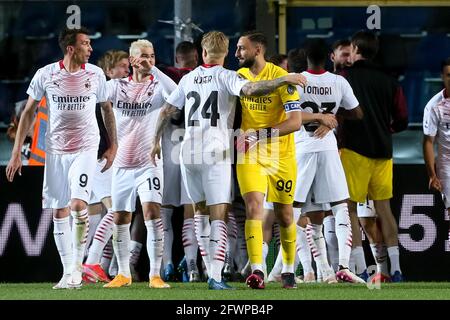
49, 68
224, 72
93, 68
275, 71
244, 72
435, 101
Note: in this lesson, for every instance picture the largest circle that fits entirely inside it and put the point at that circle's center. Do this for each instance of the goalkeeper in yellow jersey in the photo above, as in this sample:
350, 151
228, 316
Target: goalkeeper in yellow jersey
266, 157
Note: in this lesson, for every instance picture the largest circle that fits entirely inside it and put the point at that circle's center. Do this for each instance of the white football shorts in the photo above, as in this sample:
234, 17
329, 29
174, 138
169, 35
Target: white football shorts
323, 174
101, 186
68, 176
128, 183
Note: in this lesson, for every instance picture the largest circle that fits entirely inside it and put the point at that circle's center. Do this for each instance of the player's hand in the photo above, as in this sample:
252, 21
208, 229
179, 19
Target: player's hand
321, 131
156, 152
296, 79
109, 155
14, 165
246, 141
140, 63
435, 184
135, 62
328, 119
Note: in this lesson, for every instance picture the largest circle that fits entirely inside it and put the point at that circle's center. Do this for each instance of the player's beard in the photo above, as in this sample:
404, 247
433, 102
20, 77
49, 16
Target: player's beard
247, 63
80, 58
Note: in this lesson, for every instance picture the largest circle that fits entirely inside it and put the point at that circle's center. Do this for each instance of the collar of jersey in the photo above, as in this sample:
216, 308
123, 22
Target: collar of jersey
259, 75
321, 71
61, 65
206, 65
445, 94
130, 78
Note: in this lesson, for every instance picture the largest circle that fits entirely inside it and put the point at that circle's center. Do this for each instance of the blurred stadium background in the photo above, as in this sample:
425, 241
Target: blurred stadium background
414, 39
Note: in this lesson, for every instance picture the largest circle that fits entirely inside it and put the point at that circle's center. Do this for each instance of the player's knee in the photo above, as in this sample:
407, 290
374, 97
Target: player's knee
303, 221
78, 205
254, 208
152, 211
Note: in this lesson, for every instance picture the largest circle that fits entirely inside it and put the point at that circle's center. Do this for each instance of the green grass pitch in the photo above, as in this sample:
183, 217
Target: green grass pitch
199, 291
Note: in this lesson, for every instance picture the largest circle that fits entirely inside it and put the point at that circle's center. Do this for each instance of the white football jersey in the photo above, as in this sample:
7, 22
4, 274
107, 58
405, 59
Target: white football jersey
136, 108
436, 122
209, 95
71, 98
324, 93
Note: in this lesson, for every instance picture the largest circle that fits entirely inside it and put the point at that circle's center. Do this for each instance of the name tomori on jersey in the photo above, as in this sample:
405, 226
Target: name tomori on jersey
317, 90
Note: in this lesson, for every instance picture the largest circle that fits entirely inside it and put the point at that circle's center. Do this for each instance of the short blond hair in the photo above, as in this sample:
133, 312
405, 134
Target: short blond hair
216, 44
135, 47
109, 60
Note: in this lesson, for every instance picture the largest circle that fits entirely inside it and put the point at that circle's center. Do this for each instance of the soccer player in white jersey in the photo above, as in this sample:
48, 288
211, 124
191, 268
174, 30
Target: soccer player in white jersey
72, 87
137, 101
320, 174
436, 124
115, 65
209, 94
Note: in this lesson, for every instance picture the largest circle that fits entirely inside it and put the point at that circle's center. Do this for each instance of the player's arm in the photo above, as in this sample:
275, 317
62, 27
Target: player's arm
292, 123
428, 156
352, 114
168, 112
26, 120
260, 88
110, 125
327, 119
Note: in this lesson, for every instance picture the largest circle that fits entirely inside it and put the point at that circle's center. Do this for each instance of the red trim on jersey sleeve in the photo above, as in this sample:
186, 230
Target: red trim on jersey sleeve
321, 71
206, 65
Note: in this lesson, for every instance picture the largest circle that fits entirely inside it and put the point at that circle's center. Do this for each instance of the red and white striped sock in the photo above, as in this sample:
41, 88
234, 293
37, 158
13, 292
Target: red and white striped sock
107, 255
202, 232
217, 248
304, 251
101, 237
316, 242
190, 243
94, 220
80, 228
232, 235
343, 233
155, 245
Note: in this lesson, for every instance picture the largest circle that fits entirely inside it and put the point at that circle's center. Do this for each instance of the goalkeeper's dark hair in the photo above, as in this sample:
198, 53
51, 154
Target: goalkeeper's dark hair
256, 37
